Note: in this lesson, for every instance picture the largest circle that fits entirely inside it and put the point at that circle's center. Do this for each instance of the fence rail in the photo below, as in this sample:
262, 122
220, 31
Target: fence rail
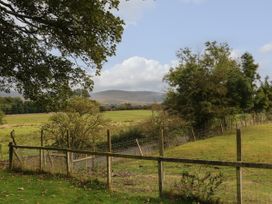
156, 158
238, 165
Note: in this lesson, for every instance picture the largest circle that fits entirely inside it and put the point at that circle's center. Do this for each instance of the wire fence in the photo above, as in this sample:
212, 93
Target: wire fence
137, 174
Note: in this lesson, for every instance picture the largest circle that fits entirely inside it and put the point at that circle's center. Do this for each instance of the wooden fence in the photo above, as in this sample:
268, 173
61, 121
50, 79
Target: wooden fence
238, 164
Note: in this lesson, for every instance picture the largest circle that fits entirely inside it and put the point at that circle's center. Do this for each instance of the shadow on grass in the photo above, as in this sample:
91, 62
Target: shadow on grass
97, 185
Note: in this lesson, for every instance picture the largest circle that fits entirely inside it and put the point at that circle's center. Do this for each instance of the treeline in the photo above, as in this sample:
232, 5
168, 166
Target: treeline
125, 106
212, 85
16, 105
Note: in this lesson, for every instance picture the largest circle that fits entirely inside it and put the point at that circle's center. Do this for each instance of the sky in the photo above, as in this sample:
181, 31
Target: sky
156, 29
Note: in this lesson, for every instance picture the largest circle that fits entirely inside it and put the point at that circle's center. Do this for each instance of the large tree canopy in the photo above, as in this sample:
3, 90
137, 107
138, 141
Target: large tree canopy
38, 39
212, 85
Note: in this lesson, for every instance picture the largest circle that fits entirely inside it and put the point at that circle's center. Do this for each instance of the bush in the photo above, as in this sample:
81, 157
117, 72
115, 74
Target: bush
2, 115
199, 187
81, 120
174, 127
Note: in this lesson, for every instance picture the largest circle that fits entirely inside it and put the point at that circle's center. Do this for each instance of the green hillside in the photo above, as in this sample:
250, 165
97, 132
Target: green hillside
133, 97
256, 147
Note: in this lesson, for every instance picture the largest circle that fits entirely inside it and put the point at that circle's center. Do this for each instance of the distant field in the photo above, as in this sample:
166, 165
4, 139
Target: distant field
127, 115
118, 116
27, 126
20, 119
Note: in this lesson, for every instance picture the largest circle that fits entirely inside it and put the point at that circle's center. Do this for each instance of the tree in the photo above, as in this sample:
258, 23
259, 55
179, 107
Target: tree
263, 97
81, 120
38, 39
198, 84
2, 115
81, 92
16, 105
249, 68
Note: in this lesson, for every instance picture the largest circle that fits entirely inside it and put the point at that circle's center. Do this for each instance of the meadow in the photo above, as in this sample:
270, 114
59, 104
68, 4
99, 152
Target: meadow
136, 181
31, 188
27, 126
256, 147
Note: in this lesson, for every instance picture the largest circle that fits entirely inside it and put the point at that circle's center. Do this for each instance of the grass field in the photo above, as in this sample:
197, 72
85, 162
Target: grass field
28, 189
256, 147
141, 177
38, 118
27, 126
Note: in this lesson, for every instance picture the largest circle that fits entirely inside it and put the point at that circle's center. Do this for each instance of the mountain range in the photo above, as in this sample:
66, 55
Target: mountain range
133, 97
117, 97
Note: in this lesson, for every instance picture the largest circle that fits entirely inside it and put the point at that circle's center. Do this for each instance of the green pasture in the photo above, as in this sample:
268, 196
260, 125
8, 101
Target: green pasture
27, 126
256, 147
139, 178
28, 189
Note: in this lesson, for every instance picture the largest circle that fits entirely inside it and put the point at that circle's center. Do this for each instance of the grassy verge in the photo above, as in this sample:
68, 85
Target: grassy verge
24, 189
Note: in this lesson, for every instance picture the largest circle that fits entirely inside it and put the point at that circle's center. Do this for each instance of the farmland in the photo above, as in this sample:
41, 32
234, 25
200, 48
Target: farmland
140, 182
27, 126
256, 147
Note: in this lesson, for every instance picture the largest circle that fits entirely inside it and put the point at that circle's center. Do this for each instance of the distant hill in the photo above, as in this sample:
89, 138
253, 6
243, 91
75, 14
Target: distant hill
11, 94
117, 97
133, 97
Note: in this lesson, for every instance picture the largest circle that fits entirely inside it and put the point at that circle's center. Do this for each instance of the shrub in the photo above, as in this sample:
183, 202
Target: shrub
2, 115
130, 134
81, 120
199, 187
174, 127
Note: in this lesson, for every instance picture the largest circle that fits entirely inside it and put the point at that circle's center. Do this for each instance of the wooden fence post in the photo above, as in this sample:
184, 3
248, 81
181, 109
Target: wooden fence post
109, 167
68, 158
86, 163
193, 133
12, 135
10, 155
1, 153
93, 159
68, 163
41, 152
160, 164
221, 127
238, 169
139, 147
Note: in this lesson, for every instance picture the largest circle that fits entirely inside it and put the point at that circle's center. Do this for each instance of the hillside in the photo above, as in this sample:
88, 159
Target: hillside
133, 97
11, 94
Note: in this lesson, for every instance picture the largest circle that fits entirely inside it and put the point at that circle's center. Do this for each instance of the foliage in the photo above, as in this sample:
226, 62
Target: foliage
124, 106
172, 125
200, 187
123, 138
212, 85
15, 105
263, 97
81, 92
150, 128
78, 126
2, 115
41, 41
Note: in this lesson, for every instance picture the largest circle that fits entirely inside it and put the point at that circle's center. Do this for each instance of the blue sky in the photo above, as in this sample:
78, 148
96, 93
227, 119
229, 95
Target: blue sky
156, 29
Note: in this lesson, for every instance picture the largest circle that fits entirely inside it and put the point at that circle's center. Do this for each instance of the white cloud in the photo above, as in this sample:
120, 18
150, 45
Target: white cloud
135, 73
266, 48
133, 10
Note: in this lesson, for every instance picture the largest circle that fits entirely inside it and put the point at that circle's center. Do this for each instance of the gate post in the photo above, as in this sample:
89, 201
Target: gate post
238, 169
10, 155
